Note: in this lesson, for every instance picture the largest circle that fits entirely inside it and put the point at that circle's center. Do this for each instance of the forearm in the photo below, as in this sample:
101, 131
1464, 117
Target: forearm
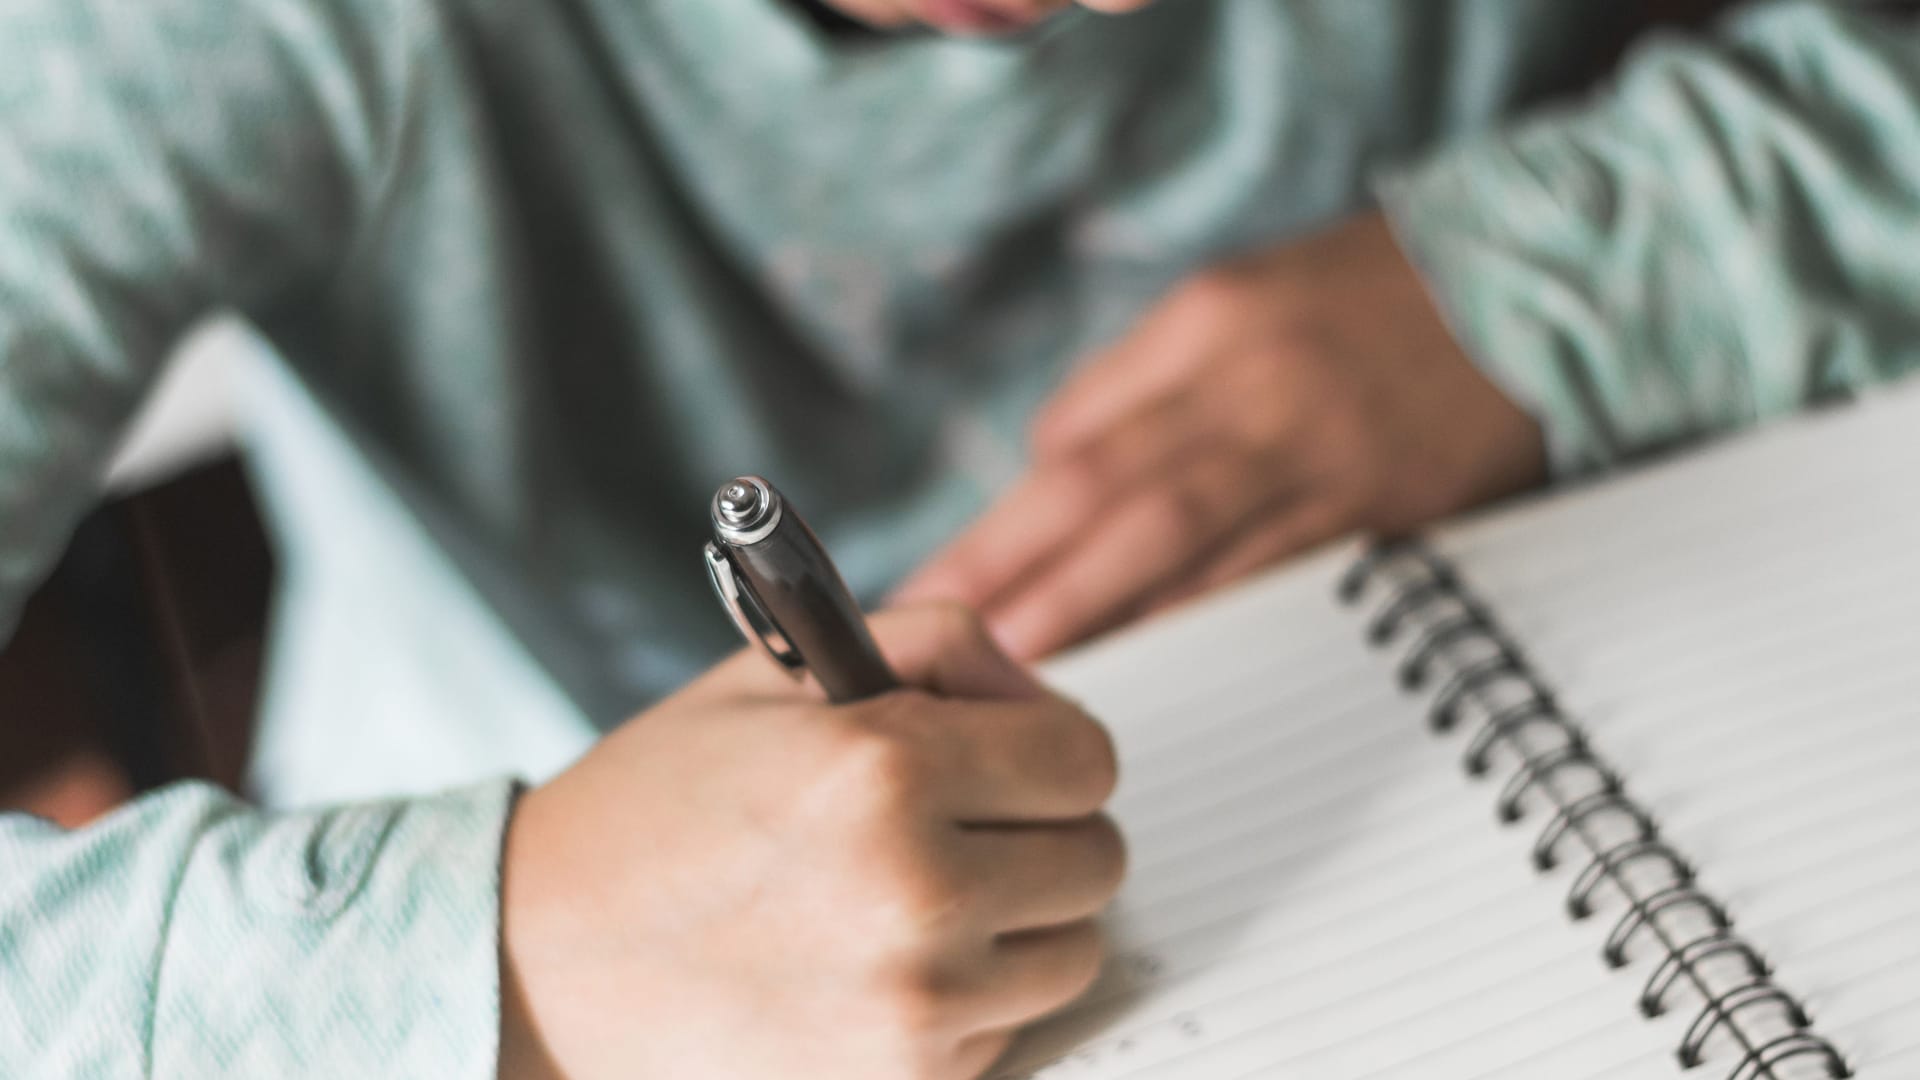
1726, 234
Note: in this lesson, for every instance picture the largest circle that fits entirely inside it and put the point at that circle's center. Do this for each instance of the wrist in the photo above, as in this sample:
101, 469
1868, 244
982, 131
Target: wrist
524, 1053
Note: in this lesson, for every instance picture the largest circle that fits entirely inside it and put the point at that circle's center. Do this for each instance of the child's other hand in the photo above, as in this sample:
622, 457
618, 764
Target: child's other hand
1268, 405
745, 882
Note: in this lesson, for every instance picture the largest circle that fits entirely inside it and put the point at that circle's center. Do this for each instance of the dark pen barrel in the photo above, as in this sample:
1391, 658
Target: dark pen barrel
797, 584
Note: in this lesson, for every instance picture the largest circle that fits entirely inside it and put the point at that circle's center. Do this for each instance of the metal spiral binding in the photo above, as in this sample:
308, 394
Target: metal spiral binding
1453, 620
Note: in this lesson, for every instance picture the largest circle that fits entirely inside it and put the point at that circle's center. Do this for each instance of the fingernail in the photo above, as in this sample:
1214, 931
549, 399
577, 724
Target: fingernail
1016, 634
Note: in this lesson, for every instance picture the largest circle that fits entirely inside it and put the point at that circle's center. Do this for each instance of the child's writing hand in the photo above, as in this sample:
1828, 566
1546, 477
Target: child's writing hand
745, 882
1268, 405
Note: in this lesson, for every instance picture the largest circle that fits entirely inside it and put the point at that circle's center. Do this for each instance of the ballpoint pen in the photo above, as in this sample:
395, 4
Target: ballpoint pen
784, 594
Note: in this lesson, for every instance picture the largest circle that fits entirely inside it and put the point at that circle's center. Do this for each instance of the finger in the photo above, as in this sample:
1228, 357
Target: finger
945, 649
1044, 875
1293, 530
1135, 552
1021, 528
1027, 976
1307, 525
1005, 762
1047, 510
942, 648
977, 1053
1192, 581
1179, 336
749, 675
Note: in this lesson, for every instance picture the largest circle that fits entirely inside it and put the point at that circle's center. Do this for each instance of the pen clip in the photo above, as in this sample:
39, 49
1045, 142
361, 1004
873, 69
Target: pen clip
748, 613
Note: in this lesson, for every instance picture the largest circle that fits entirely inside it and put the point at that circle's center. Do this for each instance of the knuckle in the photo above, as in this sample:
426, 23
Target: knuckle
916, 1002
916, 900
884, 771
908, 1016
1270, 401
1172, 516
1272, 370
1091, 469
1275, 370
892, 775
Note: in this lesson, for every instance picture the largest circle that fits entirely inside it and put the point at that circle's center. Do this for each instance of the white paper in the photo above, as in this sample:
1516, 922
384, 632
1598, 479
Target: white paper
1317, 890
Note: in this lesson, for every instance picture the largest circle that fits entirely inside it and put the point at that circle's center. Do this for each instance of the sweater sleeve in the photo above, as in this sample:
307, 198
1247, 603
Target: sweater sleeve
1729, 232
160, 159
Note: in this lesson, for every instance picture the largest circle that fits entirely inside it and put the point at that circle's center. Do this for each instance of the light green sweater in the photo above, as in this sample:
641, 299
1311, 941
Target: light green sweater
539, 272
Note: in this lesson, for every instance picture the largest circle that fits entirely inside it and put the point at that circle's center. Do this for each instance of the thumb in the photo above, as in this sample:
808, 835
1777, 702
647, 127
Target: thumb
946, 649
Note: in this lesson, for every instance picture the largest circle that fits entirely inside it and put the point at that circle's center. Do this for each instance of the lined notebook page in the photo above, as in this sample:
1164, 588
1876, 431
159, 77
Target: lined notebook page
1740, 633
1316, 890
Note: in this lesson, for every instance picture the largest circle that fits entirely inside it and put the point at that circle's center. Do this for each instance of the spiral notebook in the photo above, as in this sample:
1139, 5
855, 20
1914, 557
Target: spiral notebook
1622, 782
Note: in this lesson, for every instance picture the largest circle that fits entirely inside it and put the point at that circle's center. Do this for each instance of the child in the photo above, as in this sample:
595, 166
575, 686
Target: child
538, 274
